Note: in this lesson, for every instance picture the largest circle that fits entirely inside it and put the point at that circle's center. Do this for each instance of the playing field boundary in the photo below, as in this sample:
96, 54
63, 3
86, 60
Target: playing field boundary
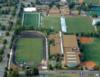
31, 13
29, 34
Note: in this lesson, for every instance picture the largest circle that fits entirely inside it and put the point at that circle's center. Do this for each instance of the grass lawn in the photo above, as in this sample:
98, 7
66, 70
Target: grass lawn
51, 22
31, 19
92, 51
29, 50
79, 24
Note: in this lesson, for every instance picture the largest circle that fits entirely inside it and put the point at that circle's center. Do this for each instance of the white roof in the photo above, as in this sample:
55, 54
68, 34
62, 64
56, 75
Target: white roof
30, 9
63, 24
95, 21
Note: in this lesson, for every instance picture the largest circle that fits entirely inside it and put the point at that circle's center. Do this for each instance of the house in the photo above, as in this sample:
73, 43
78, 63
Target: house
54, 11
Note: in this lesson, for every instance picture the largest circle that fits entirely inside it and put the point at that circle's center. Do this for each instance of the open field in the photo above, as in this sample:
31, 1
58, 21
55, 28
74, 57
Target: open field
31, 19
78, 24
52, 22
29, 50
92, 51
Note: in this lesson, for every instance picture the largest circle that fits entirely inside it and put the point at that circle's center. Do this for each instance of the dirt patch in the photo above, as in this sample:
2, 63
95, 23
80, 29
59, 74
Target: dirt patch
86, 39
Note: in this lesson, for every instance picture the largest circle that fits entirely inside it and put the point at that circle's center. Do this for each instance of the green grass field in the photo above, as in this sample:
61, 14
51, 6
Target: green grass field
51, 22
92, 51
31, 19
29, 50
77, 24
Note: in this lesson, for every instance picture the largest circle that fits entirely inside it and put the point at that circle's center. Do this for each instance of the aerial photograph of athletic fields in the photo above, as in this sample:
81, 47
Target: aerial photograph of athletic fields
49, 38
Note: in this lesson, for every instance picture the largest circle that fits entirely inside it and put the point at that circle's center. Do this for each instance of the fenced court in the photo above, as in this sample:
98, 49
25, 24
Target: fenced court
29, 49
30, 19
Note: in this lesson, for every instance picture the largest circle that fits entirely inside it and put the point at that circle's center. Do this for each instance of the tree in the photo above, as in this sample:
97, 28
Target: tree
71, 6
4, 41
36, 71
13, 73
29, 72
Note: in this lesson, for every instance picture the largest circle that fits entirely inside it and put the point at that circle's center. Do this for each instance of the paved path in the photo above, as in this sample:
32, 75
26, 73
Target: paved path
77, 72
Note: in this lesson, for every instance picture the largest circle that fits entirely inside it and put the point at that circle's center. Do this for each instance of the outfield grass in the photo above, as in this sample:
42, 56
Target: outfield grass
78, 24
92, 51
29, 50
51, 22
31, 19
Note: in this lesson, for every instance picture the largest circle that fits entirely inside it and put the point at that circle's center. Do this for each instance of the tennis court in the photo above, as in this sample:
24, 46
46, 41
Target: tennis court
31, 19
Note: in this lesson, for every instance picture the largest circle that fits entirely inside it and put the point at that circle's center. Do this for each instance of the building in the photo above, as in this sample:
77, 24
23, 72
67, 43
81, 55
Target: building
54, 11
48, 1
30, 9
71, 51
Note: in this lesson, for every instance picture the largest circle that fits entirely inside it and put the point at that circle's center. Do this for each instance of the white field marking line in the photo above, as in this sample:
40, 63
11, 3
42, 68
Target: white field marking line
95, 27
39, 19
23, 19
61, 42
46, 48
11, 53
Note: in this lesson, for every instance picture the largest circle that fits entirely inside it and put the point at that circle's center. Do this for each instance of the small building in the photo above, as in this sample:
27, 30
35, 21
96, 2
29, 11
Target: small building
30, 9
95, 21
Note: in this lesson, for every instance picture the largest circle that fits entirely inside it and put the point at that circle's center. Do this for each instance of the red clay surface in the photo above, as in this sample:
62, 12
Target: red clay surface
86, 40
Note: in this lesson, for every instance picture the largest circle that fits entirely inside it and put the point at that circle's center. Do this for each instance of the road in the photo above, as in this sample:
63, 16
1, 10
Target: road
77, 72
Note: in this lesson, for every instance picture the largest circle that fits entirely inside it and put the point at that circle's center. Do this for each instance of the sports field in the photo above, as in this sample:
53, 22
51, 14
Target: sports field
51, 22
31, 19
92, 51
29, 50
78, 24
